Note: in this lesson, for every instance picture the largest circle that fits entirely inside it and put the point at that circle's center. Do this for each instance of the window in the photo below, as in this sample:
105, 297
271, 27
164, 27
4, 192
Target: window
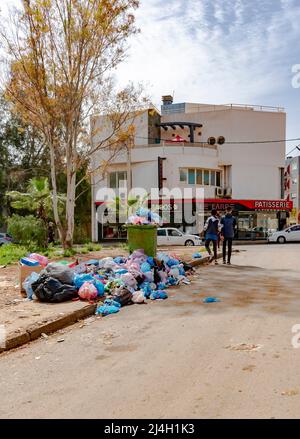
199, 176
206, 177
191, 176
117, 179
161, 232
173, 232
295, 229
183, 175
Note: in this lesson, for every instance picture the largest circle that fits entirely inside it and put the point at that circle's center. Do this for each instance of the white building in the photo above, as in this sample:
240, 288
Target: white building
247, 171
292, 186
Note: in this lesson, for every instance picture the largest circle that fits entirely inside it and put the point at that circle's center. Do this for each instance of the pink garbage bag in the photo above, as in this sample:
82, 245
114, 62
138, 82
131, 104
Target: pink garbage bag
88, 291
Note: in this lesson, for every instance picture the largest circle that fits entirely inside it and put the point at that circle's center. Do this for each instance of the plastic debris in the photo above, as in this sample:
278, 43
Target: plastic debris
158, 295
211, 300
27, 284
88, 291
42, 260
197, 255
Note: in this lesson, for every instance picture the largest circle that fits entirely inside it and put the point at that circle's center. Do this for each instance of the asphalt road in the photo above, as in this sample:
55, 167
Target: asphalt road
179, 358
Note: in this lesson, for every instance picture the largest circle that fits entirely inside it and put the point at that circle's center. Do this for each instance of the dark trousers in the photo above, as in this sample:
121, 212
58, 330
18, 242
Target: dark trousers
215, 247
225, 242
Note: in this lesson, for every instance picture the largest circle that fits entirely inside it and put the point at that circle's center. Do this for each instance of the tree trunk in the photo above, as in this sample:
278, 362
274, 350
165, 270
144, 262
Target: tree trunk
54, 193
70, 209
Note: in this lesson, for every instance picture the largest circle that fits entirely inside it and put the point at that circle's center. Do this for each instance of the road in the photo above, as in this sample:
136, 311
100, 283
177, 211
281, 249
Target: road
179, 358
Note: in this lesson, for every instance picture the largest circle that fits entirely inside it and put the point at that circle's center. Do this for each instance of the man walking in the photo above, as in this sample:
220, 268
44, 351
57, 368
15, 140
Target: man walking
212, 228
228, 224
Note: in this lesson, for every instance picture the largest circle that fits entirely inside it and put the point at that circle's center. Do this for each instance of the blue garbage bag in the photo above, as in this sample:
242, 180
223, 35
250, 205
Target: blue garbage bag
150, 261
80, 279
171, 262
145, 267
197, 255
119, 260
159, 294
105, 310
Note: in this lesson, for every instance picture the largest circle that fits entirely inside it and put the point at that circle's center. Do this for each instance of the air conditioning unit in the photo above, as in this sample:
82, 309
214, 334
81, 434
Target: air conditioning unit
228, 192
219, 192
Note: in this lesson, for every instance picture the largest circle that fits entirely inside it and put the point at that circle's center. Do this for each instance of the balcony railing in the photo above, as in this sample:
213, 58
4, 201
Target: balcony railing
167, 144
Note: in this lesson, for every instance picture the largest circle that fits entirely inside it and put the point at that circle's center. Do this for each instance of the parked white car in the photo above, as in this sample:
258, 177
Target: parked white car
172, 236
291, 234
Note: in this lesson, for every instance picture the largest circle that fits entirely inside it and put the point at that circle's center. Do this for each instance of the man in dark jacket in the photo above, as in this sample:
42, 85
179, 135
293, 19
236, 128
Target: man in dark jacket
228, 223
212, 228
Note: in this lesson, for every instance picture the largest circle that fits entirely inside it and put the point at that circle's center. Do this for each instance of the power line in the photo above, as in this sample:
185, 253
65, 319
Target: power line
248, 142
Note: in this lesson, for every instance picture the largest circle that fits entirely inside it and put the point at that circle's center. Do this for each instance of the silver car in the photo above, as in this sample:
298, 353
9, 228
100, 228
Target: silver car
5, 238
291, 234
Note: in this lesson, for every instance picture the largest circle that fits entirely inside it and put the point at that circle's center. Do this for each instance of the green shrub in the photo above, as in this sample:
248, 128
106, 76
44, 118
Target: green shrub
69, 252
27, 230
11, 253
94, 247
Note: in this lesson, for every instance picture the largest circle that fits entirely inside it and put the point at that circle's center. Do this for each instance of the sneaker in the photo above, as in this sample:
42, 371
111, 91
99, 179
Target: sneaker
224, 262
228, 263
211, 258
216, 262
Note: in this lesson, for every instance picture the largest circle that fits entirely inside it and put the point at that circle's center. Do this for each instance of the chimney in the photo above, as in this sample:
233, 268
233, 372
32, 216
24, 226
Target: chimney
167, 100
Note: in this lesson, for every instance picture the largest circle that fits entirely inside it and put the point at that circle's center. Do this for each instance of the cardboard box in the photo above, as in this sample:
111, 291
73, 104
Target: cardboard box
25, 271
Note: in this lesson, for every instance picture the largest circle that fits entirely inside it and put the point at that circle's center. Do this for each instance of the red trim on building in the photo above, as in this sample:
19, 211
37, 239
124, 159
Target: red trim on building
222, 203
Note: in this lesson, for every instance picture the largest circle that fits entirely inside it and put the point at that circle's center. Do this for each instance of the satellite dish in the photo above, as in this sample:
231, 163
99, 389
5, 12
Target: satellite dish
211, 140
221, 140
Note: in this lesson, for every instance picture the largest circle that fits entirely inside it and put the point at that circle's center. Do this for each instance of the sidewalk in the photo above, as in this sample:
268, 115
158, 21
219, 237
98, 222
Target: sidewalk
27, 320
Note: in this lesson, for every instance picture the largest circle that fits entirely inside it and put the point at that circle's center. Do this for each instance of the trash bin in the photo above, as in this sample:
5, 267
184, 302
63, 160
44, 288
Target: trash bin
144, 237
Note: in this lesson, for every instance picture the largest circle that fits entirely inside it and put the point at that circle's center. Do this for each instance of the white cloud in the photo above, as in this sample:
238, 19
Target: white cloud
213, 51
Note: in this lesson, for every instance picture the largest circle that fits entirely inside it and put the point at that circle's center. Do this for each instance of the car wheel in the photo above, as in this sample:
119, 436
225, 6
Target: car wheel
189, 243
281, 240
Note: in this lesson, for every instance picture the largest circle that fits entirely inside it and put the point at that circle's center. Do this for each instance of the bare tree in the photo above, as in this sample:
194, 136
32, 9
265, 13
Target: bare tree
60, 56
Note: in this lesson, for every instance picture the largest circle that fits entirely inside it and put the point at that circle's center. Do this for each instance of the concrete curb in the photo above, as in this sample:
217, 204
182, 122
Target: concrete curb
35, 331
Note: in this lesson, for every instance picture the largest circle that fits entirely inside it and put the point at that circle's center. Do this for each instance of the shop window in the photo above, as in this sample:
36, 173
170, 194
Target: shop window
199, 179
183, 175
191, 174
206, 178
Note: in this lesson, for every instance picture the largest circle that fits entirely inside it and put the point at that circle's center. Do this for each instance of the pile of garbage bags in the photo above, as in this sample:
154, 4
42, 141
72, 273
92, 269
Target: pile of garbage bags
117, 282
145, 216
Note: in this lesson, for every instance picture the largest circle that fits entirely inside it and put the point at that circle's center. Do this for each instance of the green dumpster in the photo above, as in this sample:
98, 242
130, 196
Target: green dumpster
144, 237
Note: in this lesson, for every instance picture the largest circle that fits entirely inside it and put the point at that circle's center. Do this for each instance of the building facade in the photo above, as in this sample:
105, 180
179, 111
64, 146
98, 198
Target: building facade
292, 187
223, 149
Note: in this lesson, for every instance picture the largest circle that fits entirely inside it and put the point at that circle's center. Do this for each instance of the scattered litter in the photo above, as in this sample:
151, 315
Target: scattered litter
37, 358
197, 255
292, 392
211, 300
244, 347
43, 335
60, 340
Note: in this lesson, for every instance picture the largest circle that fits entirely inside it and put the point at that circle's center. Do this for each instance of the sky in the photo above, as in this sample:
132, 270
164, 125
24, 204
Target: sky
217, 52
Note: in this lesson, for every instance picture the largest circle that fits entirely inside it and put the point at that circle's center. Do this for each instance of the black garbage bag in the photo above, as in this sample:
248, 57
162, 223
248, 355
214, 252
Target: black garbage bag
60, 272
122, 295
49, 289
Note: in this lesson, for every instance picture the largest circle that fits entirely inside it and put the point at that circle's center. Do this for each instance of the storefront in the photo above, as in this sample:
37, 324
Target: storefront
255, 218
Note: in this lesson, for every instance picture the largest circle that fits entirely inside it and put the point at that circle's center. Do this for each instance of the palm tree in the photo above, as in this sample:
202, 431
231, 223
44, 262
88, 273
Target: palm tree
37, 199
